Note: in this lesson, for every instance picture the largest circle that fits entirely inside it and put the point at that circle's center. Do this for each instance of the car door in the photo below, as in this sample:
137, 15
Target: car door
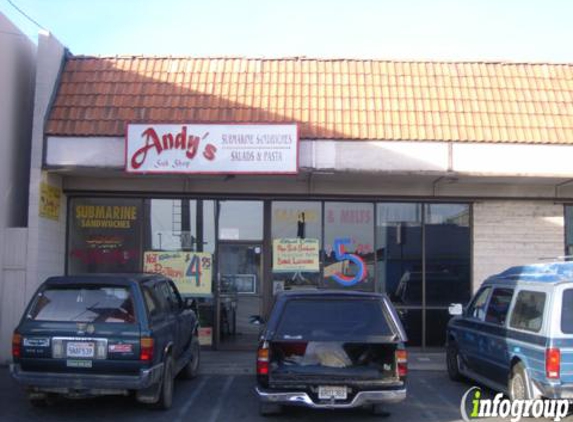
171, 323
185, 318
470, 338
495, 361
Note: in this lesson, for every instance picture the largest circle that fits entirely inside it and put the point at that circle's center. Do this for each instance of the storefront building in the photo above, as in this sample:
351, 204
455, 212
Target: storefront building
243, 177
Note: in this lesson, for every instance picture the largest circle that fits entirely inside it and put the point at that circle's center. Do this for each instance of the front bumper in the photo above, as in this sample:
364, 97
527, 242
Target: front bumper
79, 382
301, 398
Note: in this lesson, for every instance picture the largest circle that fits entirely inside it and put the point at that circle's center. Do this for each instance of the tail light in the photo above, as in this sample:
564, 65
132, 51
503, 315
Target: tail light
146, 349
263, 359
16, 345
552, 363
402, 362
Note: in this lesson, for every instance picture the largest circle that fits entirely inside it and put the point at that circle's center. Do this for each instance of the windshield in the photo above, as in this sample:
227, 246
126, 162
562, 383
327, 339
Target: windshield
84, 304
333, 320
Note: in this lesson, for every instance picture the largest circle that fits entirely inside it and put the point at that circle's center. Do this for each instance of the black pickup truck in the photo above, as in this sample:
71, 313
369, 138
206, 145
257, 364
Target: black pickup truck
331, 349
105, 334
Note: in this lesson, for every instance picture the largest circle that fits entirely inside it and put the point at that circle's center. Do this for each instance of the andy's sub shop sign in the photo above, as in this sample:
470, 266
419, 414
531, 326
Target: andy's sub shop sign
212, 149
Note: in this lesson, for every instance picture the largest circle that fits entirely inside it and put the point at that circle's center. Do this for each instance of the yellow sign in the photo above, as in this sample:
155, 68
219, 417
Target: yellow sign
191, 271
50, 197
106, 216
295, 255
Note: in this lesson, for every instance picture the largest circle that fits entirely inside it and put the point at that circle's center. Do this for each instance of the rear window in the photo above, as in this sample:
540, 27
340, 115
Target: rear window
333, 320
567, 312
84, 304
528, 311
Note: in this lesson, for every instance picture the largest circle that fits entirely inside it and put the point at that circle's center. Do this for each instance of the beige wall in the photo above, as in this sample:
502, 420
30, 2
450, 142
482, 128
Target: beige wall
507, 233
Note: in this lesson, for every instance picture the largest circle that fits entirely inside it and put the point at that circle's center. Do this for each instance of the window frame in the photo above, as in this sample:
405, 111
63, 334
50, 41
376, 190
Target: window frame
517, 293
472, 303
509, 306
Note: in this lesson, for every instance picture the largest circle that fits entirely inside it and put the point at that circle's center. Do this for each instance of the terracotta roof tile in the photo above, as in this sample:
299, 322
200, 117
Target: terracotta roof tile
340, 99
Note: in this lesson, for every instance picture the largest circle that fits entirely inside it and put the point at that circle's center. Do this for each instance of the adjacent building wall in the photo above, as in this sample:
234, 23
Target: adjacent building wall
43, 243
507, 233
17, 78
46, 237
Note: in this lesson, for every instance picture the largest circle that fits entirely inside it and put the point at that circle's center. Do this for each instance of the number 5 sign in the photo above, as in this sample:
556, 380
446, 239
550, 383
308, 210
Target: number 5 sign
341, 255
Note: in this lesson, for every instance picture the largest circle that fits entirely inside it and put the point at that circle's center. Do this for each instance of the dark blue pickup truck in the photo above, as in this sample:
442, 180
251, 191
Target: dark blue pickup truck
105, 334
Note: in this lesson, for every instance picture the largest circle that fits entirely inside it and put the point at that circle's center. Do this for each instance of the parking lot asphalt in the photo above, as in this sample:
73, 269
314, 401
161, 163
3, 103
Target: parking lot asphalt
229, 397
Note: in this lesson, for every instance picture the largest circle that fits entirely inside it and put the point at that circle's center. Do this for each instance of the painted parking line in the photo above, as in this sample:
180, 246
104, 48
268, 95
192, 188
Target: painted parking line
222, 399
189, 402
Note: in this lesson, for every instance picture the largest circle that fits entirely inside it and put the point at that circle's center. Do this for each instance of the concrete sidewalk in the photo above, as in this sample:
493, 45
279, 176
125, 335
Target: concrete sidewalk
243, 363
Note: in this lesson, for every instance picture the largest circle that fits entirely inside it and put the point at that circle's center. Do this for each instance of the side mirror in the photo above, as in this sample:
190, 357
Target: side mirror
256, 320
456, 309
189, 303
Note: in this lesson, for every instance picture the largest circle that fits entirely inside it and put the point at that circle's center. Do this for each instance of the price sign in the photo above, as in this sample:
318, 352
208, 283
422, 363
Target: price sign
191, 271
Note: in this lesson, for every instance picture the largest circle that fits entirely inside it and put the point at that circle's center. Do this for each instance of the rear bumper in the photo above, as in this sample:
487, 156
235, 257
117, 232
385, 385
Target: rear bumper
554, 391
51, 381
301, 398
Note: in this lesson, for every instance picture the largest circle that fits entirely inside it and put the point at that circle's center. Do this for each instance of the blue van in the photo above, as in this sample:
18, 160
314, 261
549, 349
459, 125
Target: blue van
516, 334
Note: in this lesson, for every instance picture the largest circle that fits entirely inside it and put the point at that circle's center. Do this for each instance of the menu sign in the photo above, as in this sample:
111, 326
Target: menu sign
212, 149
191, 271
295, 255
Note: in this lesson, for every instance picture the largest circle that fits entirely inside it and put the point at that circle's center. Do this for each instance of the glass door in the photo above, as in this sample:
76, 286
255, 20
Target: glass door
240, 294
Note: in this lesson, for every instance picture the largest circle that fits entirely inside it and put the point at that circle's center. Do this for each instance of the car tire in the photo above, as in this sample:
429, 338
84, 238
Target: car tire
518, 384
166, 390
453, 362
191, 370
269, 409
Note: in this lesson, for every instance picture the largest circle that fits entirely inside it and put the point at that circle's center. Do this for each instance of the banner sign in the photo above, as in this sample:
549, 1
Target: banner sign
50, 201
211, 149
191, 271
295, 255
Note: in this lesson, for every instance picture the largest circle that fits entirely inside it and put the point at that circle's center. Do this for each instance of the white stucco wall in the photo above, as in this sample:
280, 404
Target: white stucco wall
46, 238
43, 243
507, 233
17, 77
375, 156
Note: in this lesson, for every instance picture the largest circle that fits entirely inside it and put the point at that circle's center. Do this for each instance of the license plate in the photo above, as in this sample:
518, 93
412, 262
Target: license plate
70, 363
80, 350
331, 392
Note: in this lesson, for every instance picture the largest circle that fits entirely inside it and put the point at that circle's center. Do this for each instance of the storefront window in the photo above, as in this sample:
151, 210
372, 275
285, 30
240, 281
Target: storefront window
241, 220
104, 235
399, 251
349, 245
569, 231
447, 252
399, 262
297, 239
172, 225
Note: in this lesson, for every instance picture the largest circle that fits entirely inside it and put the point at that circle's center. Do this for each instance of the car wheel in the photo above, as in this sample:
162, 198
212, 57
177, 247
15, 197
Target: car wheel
518, 383
269, 409
166, 393
453, 362
191, 370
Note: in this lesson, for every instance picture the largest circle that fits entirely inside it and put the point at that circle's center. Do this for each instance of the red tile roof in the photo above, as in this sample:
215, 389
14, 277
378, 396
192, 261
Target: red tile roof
329, 99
